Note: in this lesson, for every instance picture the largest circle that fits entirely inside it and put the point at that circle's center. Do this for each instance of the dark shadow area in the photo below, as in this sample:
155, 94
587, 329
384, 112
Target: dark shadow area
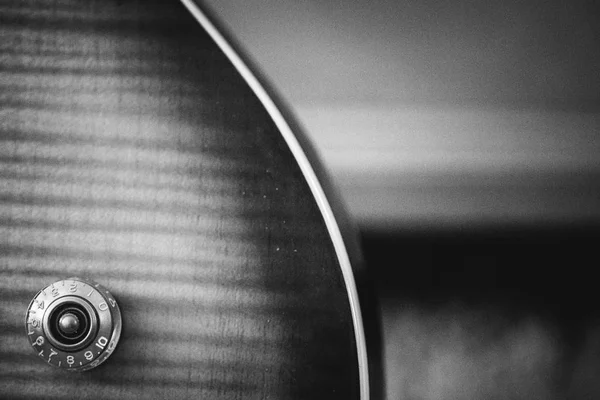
467, 290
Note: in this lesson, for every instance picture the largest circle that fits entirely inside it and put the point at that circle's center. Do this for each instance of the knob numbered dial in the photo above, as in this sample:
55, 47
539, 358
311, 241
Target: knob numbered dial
73, 324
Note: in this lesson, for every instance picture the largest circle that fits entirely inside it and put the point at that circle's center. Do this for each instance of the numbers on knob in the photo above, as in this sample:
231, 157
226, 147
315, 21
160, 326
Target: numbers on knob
99, 317
102, 341
52, 354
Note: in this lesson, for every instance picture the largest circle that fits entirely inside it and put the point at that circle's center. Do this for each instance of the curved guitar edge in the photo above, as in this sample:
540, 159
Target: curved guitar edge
340, 227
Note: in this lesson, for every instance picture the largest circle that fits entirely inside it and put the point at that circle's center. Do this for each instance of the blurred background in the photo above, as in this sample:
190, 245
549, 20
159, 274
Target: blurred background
464, 138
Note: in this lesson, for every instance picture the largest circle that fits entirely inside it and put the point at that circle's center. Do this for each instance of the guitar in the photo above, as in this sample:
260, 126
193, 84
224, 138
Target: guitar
140, 150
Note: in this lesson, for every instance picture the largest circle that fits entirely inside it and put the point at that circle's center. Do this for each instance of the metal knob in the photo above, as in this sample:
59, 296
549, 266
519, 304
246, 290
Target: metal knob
74, 324
69, 324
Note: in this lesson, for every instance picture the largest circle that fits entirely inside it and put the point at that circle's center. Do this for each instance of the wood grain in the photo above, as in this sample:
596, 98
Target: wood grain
132, 153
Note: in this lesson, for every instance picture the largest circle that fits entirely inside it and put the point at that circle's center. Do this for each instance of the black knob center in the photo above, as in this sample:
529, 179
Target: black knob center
68, 323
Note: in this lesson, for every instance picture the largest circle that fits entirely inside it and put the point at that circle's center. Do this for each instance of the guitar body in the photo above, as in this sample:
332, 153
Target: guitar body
138, 150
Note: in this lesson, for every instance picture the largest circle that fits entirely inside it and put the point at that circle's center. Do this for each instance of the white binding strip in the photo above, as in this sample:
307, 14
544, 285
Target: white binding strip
313, 183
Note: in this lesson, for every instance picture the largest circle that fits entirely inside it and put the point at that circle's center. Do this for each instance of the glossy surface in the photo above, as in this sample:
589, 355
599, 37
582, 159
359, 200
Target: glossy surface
133, 153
